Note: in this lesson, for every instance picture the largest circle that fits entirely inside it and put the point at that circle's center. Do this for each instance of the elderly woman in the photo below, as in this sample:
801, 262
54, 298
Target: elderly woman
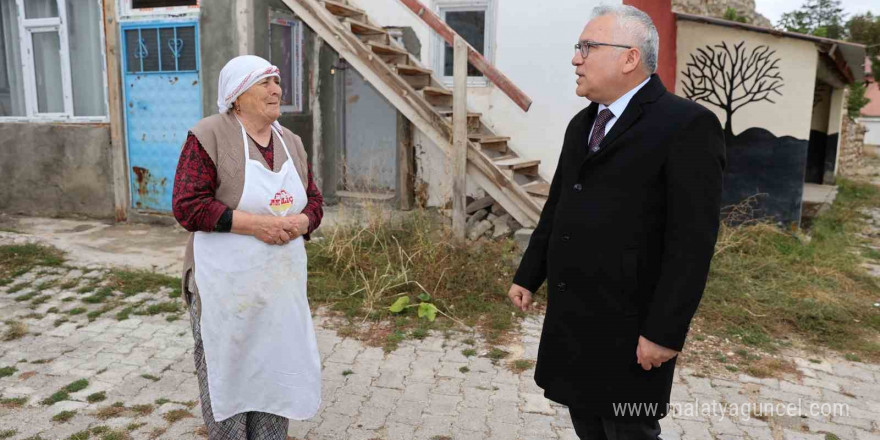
245, 190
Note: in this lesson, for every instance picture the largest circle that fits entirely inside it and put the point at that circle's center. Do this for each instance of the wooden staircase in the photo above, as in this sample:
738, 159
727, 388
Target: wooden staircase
510, 179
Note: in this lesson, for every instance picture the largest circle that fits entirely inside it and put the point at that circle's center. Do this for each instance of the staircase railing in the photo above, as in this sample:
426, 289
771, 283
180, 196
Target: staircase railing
475, 58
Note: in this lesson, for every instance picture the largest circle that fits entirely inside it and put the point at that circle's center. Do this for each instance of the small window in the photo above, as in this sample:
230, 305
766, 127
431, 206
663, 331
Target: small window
473, 20
471, 25
286, 52
144, 4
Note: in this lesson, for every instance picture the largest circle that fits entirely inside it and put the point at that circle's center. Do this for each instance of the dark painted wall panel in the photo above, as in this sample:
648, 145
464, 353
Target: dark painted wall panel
759, 163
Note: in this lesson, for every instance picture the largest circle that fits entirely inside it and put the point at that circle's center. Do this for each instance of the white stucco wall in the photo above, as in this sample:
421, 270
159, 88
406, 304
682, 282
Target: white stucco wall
791, 115
533, 47
872, 136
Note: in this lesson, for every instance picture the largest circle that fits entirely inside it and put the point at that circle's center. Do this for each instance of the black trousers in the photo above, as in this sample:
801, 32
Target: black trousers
606, 428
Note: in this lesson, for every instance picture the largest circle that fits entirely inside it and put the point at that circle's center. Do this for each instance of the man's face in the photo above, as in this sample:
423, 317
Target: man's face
598, 74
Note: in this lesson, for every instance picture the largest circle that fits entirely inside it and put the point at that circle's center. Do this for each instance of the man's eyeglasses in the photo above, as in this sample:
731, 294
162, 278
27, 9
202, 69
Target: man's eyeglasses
584, 47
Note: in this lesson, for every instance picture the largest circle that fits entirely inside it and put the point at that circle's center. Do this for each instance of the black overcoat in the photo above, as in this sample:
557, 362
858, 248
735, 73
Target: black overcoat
624, 243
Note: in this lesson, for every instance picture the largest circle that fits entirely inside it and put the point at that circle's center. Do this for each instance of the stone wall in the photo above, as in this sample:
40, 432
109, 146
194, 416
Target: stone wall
716, 8
852, 147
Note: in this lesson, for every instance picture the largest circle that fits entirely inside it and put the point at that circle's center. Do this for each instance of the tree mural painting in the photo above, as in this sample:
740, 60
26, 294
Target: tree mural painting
732, 78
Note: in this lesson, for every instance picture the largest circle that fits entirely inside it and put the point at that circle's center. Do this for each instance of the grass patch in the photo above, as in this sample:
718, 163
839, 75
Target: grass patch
520, 365
63, 416
359, 269
40, 300
77, 311
82, 435
27, 296
464, 369
347, 373
59, 321
123, 314
78, 385
99, 296
116, 435
393, 340
766, 283
94, 314
13, 402
58, 396
150, 377
7, 371
14, 330
419, 333
18, 287
112, 411
165, 307
143, 410
67, 285
16, 260
769, 367
96, 397
496, 354
134, 426
7, 433
45, 285
132, 282
468, 352
852, 357
176, 415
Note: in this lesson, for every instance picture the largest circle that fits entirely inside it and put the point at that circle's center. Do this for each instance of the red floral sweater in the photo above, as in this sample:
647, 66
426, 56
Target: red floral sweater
193, 202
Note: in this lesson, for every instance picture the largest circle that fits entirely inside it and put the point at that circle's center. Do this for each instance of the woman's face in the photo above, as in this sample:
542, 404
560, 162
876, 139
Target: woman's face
262, 100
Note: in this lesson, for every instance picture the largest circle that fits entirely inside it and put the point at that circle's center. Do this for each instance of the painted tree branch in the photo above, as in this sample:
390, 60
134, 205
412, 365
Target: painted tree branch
731, 77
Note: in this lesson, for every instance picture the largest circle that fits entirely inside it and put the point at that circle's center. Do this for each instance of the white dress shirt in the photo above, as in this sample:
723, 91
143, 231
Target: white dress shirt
617, 107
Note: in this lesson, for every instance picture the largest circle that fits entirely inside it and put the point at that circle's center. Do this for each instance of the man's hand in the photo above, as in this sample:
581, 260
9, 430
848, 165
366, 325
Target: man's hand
520, 296
649, 354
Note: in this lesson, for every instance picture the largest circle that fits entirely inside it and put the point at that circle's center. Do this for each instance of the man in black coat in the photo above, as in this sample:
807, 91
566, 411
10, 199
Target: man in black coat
626, 236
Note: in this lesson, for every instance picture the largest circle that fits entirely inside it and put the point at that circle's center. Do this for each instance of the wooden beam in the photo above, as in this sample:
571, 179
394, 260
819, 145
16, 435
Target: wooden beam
476, 59
433, 125
121, 198
459, 138
405, 164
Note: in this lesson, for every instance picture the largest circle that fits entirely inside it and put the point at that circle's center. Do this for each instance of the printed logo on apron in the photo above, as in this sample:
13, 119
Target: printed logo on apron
281, 203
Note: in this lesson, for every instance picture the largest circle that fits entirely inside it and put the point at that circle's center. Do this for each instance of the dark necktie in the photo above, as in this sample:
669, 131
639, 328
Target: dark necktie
599, 129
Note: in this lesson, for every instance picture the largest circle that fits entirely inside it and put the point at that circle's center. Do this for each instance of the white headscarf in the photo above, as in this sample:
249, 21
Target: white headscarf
238, 75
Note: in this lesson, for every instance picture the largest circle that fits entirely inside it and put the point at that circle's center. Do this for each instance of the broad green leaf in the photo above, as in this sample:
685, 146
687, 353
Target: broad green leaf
399, 305
428, 310
424, 296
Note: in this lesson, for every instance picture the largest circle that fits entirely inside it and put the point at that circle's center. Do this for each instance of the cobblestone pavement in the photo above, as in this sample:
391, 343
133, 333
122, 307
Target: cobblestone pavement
140, 383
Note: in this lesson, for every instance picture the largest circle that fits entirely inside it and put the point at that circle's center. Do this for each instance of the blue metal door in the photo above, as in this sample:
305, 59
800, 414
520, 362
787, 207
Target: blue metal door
162, 101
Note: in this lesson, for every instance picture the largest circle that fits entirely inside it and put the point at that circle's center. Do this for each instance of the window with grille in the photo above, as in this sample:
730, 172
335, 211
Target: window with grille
160, 49
143, 4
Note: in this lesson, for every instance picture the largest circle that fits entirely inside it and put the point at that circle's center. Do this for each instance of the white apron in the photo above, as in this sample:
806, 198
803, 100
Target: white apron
257, 330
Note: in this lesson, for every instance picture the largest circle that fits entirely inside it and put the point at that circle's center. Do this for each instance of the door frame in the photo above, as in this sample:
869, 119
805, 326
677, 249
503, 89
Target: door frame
123, 71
